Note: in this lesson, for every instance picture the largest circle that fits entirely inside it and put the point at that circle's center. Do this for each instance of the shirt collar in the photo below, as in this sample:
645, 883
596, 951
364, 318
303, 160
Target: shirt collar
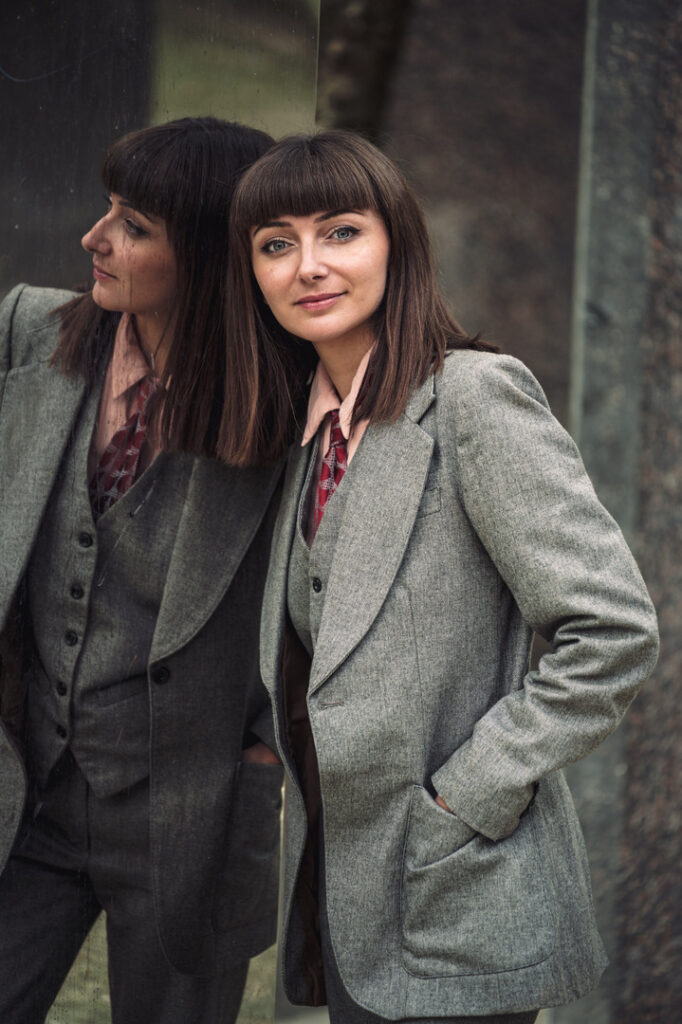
129, 364
324, 398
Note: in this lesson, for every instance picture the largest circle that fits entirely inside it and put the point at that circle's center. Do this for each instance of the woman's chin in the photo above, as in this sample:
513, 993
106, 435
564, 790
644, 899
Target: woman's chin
104, 300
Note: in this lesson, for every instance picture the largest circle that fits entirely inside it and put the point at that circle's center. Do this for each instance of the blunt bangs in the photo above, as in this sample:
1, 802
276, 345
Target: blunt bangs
306, 175
185, 171
143, 168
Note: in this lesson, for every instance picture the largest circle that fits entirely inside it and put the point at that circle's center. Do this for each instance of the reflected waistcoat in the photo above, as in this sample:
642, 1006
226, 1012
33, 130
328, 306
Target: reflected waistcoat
94, 593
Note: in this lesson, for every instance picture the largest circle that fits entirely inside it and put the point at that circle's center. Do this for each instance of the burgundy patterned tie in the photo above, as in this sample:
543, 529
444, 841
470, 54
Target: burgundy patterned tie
117, 467
334, 465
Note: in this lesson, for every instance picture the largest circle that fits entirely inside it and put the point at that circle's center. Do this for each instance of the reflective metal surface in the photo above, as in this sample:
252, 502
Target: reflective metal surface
74, 76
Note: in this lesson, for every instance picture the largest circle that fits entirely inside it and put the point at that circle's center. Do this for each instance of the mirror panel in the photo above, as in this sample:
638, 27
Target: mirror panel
74, 76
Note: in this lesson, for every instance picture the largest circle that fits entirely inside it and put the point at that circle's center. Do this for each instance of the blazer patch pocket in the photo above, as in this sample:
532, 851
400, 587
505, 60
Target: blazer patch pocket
471, 905
430, 502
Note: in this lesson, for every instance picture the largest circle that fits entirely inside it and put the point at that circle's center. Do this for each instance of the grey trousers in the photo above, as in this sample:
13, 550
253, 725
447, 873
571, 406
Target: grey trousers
76, 855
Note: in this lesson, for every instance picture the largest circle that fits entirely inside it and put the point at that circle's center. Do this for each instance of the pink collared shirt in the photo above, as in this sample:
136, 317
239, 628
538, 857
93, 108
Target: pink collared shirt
322, 400
128, 366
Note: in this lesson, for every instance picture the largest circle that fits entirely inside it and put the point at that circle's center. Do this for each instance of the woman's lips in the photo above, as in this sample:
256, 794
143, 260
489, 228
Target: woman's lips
101, 275
324, 301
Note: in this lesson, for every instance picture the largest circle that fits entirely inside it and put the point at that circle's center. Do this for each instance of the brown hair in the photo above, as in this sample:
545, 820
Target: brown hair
332, 170
185, 172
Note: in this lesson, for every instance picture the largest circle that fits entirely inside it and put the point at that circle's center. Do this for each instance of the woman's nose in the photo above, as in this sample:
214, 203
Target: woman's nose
95, 240
311, 264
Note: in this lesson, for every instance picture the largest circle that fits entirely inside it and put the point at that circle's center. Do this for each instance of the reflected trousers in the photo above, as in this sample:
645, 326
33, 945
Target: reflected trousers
76, 855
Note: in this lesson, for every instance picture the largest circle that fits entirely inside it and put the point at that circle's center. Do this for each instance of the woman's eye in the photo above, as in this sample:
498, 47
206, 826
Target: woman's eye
344, 232
275, 245
133, 229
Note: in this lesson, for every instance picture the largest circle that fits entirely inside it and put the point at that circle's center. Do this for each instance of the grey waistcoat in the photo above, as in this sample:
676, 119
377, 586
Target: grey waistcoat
94, 595
309, 568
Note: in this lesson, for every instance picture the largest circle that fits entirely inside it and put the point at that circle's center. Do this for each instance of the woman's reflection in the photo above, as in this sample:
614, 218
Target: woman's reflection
133, 564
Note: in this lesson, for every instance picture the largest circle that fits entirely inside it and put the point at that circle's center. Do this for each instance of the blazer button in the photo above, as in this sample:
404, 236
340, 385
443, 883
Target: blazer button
61, 732
160, 674
85, 539
317, 584
70, 638
61, 688
76, 591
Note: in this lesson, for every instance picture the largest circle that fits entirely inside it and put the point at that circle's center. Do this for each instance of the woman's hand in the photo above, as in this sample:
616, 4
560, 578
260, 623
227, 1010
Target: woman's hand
260, 753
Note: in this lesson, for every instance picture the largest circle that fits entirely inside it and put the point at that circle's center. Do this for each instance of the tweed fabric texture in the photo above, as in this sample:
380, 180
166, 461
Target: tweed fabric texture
310, 566
213, 881
104, 864
420, 684
93, 693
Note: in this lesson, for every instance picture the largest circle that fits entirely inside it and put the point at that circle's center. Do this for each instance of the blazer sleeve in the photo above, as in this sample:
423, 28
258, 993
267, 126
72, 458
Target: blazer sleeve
7, 309
28, 329
524, 488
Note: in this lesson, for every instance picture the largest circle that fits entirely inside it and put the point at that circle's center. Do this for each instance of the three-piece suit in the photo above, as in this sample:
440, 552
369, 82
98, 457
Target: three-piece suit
455, 533
140, 640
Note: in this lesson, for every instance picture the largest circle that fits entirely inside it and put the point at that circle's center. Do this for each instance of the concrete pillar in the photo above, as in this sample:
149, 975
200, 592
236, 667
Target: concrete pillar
626, 406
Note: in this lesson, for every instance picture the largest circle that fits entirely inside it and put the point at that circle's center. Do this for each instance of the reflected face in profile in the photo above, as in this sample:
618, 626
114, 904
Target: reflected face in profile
134, 266
324, 275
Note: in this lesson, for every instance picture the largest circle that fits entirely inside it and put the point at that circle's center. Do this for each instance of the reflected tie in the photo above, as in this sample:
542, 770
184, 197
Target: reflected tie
117, 468
334, 465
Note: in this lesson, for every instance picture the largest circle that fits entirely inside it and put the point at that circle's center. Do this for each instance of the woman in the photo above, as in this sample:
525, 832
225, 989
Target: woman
137, 563
434, 514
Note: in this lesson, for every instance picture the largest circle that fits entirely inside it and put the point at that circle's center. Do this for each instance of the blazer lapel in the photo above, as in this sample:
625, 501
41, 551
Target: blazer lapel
274, 599
39, 409
223, 510
386, 484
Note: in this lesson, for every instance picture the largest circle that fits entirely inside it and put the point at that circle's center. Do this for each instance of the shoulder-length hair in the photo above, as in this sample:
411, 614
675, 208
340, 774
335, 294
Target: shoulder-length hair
185, 172
299, 176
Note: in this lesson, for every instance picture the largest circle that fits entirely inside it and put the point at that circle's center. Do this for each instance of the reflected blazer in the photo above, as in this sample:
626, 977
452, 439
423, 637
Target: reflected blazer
468, 523
214, 822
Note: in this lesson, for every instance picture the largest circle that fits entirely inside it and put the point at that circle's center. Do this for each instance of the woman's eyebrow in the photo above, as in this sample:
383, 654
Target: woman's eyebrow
335, 213
271, 224
328, 215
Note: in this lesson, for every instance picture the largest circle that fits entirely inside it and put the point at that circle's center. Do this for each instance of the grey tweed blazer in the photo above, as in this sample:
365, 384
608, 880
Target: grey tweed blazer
468, 523
214, 821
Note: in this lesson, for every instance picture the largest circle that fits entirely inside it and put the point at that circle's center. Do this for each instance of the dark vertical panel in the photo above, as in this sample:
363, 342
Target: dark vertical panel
74, 75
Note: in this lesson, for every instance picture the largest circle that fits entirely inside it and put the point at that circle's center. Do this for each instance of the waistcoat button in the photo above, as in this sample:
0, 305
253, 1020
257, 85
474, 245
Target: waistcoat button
61, 688
76, 591
61, 732
160, 674
85, 539
70, 638
317, 584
